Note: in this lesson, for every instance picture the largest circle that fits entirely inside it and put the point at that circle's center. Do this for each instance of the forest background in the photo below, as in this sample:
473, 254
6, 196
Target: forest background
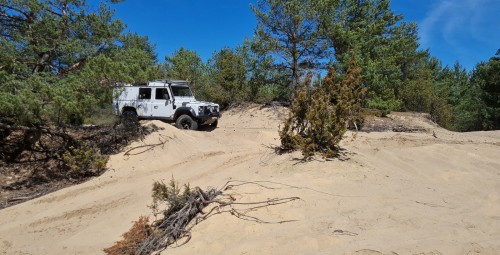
60, 60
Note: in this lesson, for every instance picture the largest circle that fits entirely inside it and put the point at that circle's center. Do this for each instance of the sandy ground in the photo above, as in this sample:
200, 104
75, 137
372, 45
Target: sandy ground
434, 192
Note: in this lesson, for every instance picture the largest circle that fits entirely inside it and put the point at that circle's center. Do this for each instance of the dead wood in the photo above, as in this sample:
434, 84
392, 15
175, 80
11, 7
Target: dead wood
401, 128
23, 198
176, 228
146, 147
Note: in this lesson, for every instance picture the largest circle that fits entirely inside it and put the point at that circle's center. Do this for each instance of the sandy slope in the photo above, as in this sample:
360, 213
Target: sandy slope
393, 193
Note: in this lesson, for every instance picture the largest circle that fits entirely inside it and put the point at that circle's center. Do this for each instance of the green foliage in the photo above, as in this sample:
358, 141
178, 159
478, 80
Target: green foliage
385, 101
442, 112
226, 79
265, 82
457, 103
246, 73
55, 36
186, 64
417, 93
289, 29
102, 116
319, 118
171, 195
386, 48
62, 58
468, 114
486, 77
41, 98
349, 96
84, 161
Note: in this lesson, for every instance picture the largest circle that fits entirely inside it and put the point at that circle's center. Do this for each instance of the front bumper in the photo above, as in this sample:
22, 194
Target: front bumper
209, 118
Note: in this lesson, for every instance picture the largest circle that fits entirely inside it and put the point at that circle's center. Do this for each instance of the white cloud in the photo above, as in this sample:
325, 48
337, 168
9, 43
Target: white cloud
454, 19
463, 30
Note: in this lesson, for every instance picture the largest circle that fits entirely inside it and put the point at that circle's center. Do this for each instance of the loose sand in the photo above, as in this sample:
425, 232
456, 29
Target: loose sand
434, 192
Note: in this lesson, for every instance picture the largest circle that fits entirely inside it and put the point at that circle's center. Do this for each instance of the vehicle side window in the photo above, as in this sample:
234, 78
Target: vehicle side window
144, 93
162, 94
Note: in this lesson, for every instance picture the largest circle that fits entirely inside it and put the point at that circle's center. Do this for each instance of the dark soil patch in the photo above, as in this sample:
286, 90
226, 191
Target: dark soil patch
407, 122
32, 158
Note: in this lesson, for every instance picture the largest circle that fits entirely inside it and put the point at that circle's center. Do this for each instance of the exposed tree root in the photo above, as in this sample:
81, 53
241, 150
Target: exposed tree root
176, 227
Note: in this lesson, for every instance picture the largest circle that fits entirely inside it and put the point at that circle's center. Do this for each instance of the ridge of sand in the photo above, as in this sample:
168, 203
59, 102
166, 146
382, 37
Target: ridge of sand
433, 192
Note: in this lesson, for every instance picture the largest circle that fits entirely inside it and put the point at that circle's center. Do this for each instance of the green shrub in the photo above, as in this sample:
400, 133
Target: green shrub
319, 118
102, 116
171, 195
385, 102
84, 161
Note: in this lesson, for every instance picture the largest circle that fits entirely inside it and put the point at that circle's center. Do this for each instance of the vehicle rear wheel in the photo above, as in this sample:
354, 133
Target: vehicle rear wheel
129, 116
186, 122
130, 120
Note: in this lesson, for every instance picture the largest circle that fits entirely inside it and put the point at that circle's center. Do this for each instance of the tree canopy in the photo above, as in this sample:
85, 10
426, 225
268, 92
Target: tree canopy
60, 58
289, 30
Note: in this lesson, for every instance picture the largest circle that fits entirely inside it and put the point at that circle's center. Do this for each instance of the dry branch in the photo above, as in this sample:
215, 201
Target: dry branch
176, 228
147, 146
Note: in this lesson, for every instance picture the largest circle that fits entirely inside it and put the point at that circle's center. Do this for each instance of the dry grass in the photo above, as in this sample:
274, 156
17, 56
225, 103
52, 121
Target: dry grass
133, 239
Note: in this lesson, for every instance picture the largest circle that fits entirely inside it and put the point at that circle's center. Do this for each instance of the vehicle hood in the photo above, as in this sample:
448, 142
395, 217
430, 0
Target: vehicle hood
185, 101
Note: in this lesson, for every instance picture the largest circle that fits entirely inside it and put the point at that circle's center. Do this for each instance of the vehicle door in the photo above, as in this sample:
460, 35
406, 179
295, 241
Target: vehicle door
144, 108
162, 104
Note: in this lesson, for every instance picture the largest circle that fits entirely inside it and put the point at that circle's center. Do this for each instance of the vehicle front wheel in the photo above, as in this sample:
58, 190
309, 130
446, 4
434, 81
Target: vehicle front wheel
214, 124
186, 122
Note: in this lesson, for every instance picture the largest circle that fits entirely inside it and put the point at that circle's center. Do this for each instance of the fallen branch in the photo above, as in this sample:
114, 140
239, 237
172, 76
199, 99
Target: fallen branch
176, 227
15, 199
408, 129
148, 146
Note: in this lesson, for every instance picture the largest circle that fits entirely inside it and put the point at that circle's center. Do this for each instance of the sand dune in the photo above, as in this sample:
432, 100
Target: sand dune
432, 192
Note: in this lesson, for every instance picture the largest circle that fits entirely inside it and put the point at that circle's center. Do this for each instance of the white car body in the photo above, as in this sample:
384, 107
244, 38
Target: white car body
163, 100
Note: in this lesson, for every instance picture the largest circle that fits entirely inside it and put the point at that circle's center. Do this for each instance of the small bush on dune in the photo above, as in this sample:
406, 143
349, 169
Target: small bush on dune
320, 116
142, 234
83, 161
170, 195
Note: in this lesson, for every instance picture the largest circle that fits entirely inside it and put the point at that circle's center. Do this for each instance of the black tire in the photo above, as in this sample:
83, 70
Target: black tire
129, 116
186, 122
214, 124
129, 119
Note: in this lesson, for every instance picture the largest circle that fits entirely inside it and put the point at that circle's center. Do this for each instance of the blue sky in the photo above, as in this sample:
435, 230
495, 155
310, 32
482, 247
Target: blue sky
467, 31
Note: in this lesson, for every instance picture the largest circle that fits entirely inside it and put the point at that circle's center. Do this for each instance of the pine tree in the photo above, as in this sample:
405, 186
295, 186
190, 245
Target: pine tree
486, 77
227, 78
60, 59
290, 30
186, 64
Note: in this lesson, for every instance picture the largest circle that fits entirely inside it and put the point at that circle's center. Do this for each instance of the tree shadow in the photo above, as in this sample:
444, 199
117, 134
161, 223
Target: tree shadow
341, 155
206, 128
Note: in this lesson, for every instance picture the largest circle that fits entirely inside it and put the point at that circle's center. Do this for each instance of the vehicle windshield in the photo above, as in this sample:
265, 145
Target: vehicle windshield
182, 91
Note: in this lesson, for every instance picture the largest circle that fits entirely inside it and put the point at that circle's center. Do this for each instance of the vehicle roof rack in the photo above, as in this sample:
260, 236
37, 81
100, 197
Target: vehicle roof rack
172, 82
158, 82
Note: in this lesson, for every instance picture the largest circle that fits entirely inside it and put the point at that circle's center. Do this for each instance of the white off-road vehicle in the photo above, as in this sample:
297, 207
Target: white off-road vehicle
168, 100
